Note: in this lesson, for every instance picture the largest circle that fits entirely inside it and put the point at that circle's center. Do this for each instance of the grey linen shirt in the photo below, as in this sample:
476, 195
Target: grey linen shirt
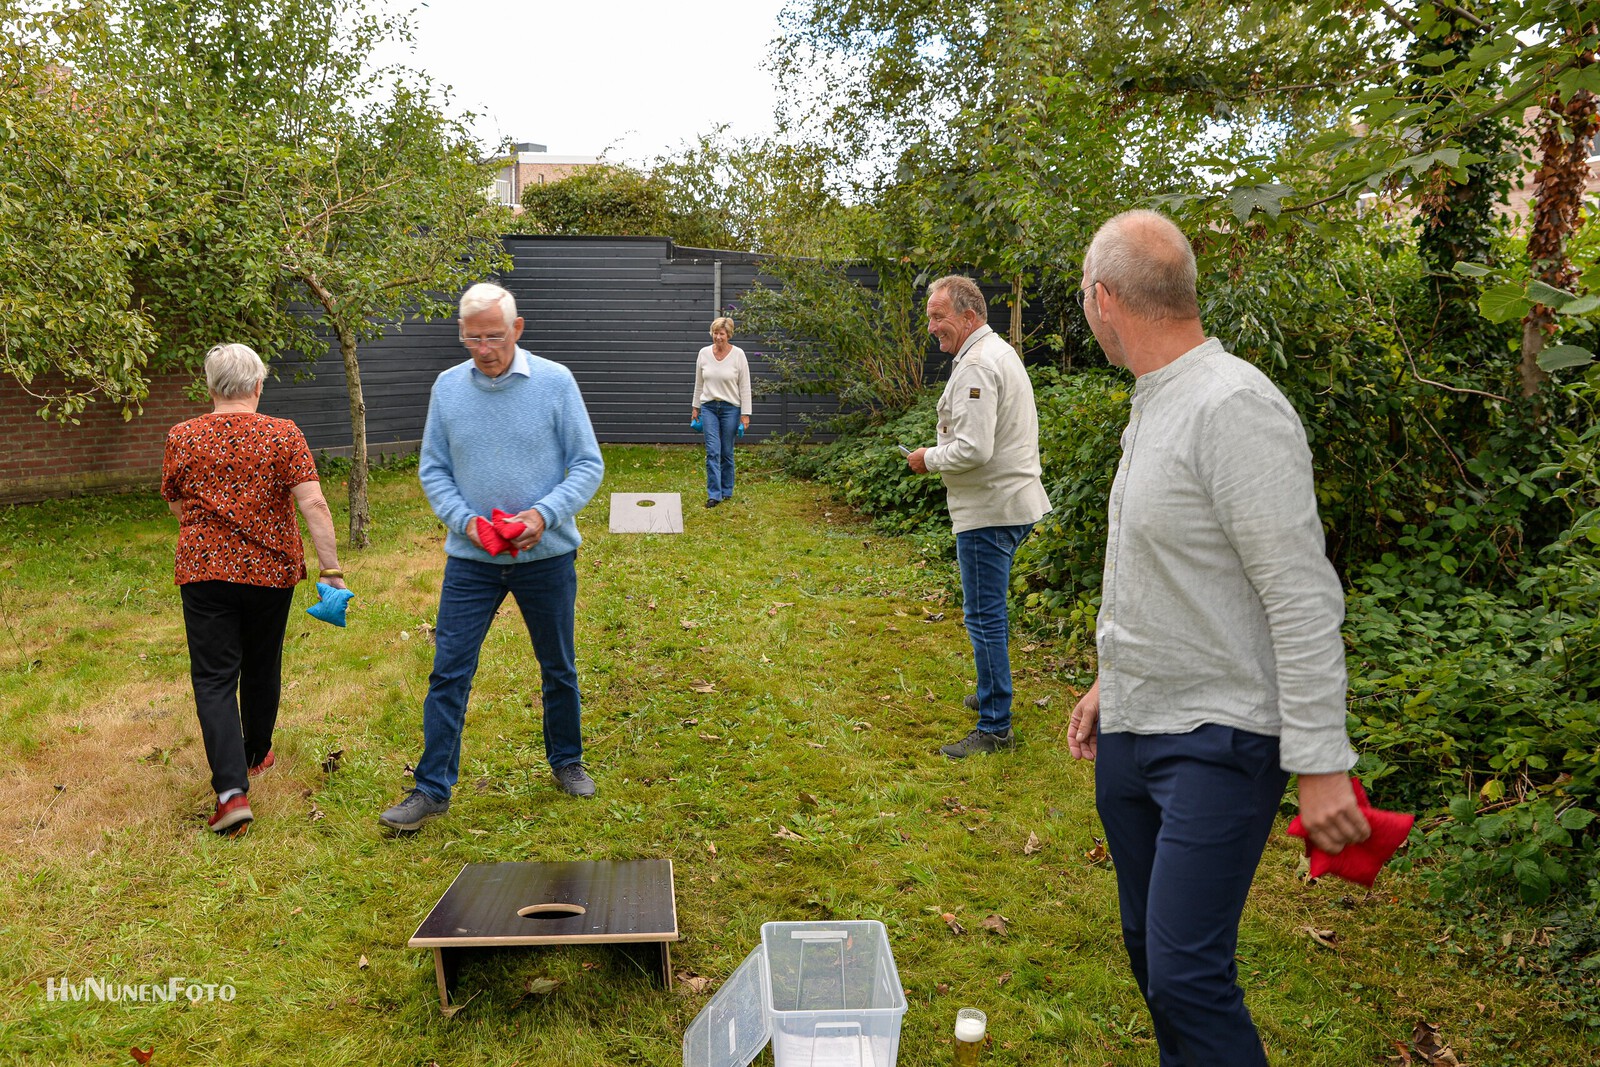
988, 448
1219, 605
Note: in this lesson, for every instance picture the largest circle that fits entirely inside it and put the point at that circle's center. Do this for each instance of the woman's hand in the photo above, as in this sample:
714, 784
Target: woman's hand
744, 420
694, 413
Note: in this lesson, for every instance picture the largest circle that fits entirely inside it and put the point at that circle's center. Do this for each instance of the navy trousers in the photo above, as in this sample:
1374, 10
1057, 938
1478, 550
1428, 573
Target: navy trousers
1186, 818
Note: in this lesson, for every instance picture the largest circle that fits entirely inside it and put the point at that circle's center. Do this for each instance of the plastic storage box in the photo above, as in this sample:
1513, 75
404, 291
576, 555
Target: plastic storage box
826, 994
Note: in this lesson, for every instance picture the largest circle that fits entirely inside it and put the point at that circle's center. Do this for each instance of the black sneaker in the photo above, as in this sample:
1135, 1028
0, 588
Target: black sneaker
978, 741
970, 701
574, 780
411, 813
712, 503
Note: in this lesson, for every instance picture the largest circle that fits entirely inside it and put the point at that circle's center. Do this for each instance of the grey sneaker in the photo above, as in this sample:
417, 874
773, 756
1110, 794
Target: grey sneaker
978, 741
574, 780
417, 808
970, 701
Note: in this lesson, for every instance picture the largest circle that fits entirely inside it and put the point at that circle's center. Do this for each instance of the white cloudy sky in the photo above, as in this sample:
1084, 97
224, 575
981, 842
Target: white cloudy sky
636, 77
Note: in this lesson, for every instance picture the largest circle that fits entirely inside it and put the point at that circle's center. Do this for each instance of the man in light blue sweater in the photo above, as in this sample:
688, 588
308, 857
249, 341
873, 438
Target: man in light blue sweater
1221, 665
506, 430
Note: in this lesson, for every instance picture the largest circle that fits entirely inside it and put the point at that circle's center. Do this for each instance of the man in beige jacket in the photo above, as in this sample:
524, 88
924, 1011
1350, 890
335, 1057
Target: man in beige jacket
988, 455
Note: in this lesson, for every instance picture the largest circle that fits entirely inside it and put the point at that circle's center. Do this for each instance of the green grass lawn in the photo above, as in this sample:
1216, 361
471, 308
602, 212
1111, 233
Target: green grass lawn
763, 700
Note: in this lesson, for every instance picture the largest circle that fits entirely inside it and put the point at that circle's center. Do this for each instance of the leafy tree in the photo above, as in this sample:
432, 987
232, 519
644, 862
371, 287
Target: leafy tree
604, 199
317, 181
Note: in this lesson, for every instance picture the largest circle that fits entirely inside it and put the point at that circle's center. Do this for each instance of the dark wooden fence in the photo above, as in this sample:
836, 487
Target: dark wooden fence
627, 315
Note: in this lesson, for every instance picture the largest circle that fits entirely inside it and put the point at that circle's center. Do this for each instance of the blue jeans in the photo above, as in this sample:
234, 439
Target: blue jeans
546, 591
985, 556
720, 421
1186, 818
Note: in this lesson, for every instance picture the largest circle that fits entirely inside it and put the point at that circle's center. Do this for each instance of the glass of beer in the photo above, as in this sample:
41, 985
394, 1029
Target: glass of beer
971, 1024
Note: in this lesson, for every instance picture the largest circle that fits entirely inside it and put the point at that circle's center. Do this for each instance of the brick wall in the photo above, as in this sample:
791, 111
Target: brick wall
103, 453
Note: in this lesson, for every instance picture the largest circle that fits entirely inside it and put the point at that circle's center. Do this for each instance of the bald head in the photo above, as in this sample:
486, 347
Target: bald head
1147, 262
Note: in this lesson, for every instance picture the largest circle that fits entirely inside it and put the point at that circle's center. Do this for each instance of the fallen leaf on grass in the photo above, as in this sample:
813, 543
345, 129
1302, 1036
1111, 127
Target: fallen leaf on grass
332, 760
942, 989
933, 616
904, 837
541, 986
426, 632
861, 726
949, 919
450, 1011
1002, 978
704, 687
995, 922
690, 722
711, 849
1431, 1048
786, 834
692, 983
806, 798
1325, 938
142, 1055
315, 815
297, 911
1032, 845
687, 624
478, 833
1030, 647
1097, 854
1042, 702
709, 737
814, 744
1404, 1050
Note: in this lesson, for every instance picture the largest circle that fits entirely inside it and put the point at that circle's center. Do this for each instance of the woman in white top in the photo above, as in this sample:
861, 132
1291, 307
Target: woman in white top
722, 404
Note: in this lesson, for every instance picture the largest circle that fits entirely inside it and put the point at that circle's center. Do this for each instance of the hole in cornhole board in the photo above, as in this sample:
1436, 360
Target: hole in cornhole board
647, 513
551, 911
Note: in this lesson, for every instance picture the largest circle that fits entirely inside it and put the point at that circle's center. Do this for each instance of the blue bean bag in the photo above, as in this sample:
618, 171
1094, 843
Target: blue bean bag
331, 607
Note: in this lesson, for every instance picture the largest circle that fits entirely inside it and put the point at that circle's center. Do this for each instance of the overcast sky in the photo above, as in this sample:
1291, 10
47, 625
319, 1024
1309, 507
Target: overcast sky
637, 77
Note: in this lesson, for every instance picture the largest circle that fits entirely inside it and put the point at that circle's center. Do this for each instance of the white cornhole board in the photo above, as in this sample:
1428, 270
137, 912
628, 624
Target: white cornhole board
646, 513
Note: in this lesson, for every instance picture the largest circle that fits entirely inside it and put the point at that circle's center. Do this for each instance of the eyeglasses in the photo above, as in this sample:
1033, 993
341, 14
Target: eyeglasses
1083, 293
488, 339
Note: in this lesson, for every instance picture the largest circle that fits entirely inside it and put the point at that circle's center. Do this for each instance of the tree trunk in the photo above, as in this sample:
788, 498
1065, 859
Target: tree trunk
1016, 313
360, 517
1529, 372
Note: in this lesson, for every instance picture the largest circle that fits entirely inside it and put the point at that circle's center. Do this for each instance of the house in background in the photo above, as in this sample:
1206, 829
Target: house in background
531, 164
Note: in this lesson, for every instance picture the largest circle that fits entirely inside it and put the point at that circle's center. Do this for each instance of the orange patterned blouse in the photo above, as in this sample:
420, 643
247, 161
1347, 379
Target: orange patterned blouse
233, 472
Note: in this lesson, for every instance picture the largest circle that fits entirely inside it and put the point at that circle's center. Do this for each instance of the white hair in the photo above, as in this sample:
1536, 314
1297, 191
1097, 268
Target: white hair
486, 296
233, 371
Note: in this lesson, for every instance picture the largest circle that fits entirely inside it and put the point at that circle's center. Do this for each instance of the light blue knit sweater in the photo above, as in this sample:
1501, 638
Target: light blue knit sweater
514, 442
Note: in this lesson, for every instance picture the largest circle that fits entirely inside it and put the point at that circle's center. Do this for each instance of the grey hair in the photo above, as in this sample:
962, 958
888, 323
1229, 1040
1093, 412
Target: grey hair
722, 322
486, 296
233, 371
1144, 259
964, 294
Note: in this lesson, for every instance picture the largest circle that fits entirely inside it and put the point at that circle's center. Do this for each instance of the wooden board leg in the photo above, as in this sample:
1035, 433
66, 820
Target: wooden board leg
666, 967
446, 964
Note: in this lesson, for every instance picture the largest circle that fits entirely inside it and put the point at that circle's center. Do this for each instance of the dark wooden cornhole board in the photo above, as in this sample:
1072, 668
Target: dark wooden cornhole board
599, 902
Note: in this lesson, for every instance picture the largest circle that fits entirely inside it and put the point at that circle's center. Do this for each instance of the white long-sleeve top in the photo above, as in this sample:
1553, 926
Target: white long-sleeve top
1219, 606
726, 379
988, 445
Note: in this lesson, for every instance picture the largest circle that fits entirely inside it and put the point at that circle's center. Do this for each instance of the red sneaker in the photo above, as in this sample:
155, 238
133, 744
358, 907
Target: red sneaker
268, 761
232, 818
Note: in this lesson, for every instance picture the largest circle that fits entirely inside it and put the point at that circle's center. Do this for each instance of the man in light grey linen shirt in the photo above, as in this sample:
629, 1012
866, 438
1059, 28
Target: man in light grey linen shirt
988, 455
1221, 664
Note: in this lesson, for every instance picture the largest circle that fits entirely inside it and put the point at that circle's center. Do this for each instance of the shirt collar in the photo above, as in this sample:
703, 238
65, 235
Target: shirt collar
1148, 383
519, 365
972, 339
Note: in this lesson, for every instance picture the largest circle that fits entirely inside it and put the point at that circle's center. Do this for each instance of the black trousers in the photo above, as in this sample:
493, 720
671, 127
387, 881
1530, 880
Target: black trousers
235, 658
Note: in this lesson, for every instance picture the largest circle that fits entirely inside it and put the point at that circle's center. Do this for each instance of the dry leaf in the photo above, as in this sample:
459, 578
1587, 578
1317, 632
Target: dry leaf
692, 983
815, 744
1032, 845
711, 848
905, 837
949, 919
427, 632
450, 1011
1325, 938
1042, 702
332, 760
1431, 1048
297, 911
861, 726
995, 922
942, 989
1097, 854
807, 798
650, 604
764, 659
541, 986
710, 737
1002, 978
933, 616
1030, 647
589, 965
704, 687
142, 1055
691, 722
478, 833
687, 624
316, 814
361, 964
787, 834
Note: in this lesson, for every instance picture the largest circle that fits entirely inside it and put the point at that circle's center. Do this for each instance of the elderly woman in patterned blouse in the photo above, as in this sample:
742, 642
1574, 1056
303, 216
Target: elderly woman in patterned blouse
230, 477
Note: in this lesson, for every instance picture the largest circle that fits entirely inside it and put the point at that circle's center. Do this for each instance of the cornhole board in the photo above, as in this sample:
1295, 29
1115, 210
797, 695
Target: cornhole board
507, 905
646, 513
